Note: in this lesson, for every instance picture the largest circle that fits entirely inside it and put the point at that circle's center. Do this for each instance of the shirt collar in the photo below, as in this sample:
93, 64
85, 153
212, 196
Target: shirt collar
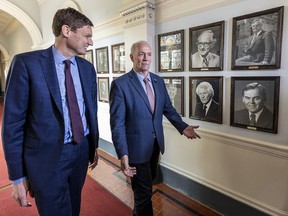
59, 58
141, 77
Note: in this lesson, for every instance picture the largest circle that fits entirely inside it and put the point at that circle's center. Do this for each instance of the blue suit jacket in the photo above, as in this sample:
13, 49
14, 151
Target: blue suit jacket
133, 124
33, 123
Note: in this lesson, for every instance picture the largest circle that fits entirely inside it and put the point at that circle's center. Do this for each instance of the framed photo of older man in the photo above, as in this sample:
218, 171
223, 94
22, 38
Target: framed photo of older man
256, 40
254, 103
206, 45
118, 58
205, 98
175, 89
102, 60
103, 89
171, 51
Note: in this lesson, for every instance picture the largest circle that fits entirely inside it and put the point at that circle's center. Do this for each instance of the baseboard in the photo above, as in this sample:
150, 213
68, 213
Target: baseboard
203, 194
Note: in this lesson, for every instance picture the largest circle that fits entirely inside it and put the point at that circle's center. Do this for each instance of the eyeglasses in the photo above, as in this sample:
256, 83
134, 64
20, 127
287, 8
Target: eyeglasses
205, 44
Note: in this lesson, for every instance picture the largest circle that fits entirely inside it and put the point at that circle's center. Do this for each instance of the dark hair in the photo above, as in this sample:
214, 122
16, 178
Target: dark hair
71, 17
258, 86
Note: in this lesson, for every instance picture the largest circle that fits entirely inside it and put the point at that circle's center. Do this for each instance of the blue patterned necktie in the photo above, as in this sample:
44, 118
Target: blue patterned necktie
74, 112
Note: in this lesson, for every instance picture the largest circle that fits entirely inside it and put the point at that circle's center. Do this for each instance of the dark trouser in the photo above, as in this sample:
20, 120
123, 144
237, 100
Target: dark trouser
62, 195
142, 184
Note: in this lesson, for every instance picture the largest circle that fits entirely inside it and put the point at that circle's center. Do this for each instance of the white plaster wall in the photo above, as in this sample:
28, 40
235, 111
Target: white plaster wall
249, 166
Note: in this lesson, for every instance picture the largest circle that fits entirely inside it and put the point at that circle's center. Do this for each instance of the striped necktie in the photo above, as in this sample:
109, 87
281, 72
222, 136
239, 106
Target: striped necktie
149, 93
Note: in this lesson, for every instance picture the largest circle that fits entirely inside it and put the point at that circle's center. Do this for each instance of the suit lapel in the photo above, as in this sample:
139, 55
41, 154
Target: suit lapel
48, 65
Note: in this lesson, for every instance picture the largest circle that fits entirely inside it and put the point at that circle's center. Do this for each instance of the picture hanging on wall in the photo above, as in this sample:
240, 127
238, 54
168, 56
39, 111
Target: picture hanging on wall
175, 88
102, 60
205, 98
171, 51
254, 103
89, 56
256, 40
103, 89
118, 58
206, 44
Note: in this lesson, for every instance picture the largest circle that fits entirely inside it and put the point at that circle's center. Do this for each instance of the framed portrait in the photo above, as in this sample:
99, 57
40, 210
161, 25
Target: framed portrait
102, 60
175, 89
103, 89
89, 56
205, 98
256, 40
254, 103
118, 58
171, 51
206, 47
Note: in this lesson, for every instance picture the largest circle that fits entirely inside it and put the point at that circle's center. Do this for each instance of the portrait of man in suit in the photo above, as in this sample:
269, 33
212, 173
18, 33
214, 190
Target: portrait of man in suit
102, 60
207, 108
204, 58
255, 113
259, 47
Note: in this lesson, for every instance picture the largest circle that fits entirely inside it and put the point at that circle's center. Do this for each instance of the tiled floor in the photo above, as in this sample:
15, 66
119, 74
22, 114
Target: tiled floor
166, 201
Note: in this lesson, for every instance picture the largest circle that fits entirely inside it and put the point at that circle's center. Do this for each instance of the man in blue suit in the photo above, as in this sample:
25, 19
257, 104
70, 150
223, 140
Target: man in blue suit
136, 113
42, 153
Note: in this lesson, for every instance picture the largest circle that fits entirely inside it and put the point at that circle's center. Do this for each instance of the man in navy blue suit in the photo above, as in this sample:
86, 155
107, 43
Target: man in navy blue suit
42, 153
138, 101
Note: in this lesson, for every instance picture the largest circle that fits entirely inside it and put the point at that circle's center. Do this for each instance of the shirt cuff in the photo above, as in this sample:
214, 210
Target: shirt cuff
19, 180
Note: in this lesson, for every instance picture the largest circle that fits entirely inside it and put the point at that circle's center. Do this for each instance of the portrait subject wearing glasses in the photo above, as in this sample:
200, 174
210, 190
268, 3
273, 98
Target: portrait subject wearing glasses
204, 58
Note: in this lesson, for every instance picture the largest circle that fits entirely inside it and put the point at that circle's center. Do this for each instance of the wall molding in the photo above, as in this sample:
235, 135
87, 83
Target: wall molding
275, 150
226, 191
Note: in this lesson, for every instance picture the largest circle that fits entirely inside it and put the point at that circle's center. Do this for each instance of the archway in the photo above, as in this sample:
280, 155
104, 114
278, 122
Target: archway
25, 20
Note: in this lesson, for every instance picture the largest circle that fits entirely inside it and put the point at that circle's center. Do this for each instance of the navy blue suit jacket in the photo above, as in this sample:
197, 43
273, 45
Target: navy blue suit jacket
33, 123
133, 124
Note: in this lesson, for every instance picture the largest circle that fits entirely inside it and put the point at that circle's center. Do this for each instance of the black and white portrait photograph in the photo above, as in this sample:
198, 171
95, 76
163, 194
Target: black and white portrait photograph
206, 47
256, 41
102, 60
171, 51
118, 58
254, 103
175, 88
205, 98
103, 89
89, 56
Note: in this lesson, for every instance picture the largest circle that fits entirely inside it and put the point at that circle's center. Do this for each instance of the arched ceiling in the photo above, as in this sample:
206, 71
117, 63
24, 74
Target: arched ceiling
6, 21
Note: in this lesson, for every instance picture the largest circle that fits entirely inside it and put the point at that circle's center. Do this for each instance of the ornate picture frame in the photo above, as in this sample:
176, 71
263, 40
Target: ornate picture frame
102, 60
118, 58
255, 95
103, 89
206, 47
206, 98
175, 89
171, 51
256, 40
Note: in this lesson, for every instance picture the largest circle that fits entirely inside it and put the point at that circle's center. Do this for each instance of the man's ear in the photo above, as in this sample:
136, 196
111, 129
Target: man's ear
131, 57
65, 30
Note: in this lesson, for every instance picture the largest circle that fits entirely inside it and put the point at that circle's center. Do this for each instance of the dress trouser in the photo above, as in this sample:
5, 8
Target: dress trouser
62, 195
142, 184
